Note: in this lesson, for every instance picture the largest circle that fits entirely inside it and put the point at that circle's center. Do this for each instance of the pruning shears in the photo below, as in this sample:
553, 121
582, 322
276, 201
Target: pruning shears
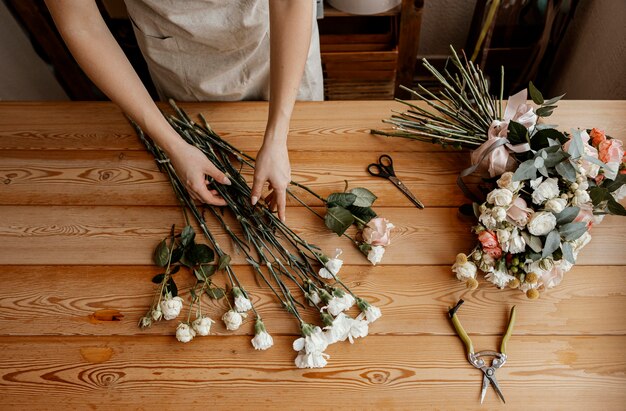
475, 358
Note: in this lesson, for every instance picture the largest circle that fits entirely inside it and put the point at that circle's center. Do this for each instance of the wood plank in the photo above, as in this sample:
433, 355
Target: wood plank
316, 126
126, 235
81, 300
63, 177
424, 372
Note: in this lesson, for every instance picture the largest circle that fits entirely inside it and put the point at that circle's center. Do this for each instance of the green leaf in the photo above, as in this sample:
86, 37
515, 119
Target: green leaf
157, 279
187, 236
171, 286
364, 197
612, 185
338, 219
198, 275
599, 194
545, 111
341, 199
615, 208
216, 293
566, 170
517, 134
535, 94
541, 137
532, 241
199, 254
177, 254
161, 254
224, 262
568, 253
364, 213
553, 100
526, 171
571, 231
567, 215
555, 158
576, 148
553, 241
175, 269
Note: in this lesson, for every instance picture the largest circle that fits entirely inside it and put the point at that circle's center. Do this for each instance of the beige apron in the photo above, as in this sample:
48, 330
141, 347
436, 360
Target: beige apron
214, 50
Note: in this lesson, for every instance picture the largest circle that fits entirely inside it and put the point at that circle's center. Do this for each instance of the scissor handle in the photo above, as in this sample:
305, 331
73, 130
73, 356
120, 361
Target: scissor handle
376, 170
459, 328
385, 161
509, 331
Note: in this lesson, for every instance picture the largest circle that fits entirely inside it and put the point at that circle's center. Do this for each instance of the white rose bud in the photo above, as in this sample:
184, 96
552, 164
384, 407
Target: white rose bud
184, 333
541, 223
546, 190
202, 325
503, 238
517, 244
499, 213
488, 220
556, 205
581, 197
232, 320
506, 181
157, 313
375, 255
171, 307
500, 197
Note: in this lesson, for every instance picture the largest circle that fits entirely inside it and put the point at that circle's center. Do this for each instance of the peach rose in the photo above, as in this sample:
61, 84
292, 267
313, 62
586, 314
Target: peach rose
488, 239
494, 252
610, 151
377, 232
597, 136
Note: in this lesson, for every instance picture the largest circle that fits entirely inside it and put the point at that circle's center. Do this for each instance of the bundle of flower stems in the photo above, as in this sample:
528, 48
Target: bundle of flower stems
280, 258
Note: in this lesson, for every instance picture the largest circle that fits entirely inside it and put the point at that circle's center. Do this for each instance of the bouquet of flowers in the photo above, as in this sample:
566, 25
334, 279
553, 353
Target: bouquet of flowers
284, 261
546, 188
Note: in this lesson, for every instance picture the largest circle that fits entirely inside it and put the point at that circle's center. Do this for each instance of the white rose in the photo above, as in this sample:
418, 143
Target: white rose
506, 181
464, 271
337, 305
375, 255
202, 325
500, 197
184, 333
371, 314
171, 307
584, 185
556, 205
311, 360
232, 320
332, 266
262, 341
541, 223
580, 197
488, 220
546, 190
499, 213
315, 341
516, 243
535, 183
503, 238
500, 278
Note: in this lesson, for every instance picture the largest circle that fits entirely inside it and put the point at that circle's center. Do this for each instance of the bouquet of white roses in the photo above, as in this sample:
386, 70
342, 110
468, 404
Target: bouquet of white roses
548, 187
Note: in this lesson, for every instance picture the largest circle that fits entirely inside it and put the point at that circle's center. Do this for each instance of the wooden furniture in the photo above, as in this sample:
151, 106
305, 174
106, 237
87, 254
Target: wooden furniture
369, 57
82, 205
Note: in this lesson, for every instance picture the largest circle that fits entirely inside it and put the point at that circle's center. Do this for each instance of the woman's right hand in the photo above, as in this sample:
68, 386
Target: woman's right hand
193, 168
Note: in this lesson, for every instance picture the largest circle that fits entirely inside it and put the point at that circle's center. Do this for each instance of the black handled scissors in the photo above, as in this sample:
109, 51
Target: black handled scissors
384, 169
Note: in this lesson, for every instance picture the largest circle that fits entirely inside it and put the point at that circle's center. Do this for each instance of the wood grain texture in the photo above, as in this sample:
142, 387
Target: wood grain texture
315, 126
426, 372
127, 235
64, 177
109, 300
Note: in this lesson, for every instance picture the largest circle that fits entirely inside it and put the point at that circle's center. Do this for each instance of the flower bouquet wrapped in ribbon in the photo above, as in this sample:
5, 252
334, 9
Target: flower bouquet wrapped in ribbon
546, 187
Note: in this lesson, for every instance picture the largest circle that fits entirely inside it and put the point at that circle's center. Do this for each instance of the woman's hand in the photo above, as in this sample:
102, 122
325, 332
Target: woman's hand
193, 167
272, 165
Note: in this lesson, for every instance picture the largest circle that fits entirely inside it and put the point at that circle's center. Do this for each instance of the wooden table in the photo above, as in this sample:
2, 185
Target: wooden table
82, 205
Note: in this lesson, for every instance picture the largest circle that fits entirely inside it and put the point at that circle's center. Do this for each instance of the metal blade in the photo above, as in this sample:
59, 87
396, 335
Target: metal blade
396, 181
494, 384
484, 389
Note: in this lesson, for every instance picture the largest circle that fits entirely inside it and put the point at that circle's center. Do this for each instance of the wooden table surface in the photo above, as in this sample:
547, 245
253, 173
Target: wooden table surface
82, 205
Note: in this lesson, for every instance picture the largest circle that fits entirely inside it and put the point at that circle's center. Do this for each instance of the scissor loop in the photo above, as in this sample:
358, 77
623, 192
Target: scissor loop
376, 170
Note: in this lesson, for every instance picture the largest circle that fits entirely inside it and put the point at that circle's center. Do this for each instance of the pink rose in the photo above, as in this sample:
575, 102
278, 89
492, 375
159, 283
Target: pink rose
585, 215
494, 252
488, 239
518, 213
553, 277
611, 151
377, 232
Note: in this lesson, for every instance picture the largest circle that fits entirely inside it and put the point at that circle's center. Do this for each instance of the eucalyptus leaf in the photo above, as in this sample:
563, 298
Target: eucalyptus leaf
161, 254
338, 219
576, 148
526, 171
567, 215
535, 94
572, 231
553, 159
344, 200
595, 161
553, 241
553, 100
532, 241
544, 171
566, 170
199, 254
216, 293
364, 197
187, 236
568, 253
224, 262
545, 111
